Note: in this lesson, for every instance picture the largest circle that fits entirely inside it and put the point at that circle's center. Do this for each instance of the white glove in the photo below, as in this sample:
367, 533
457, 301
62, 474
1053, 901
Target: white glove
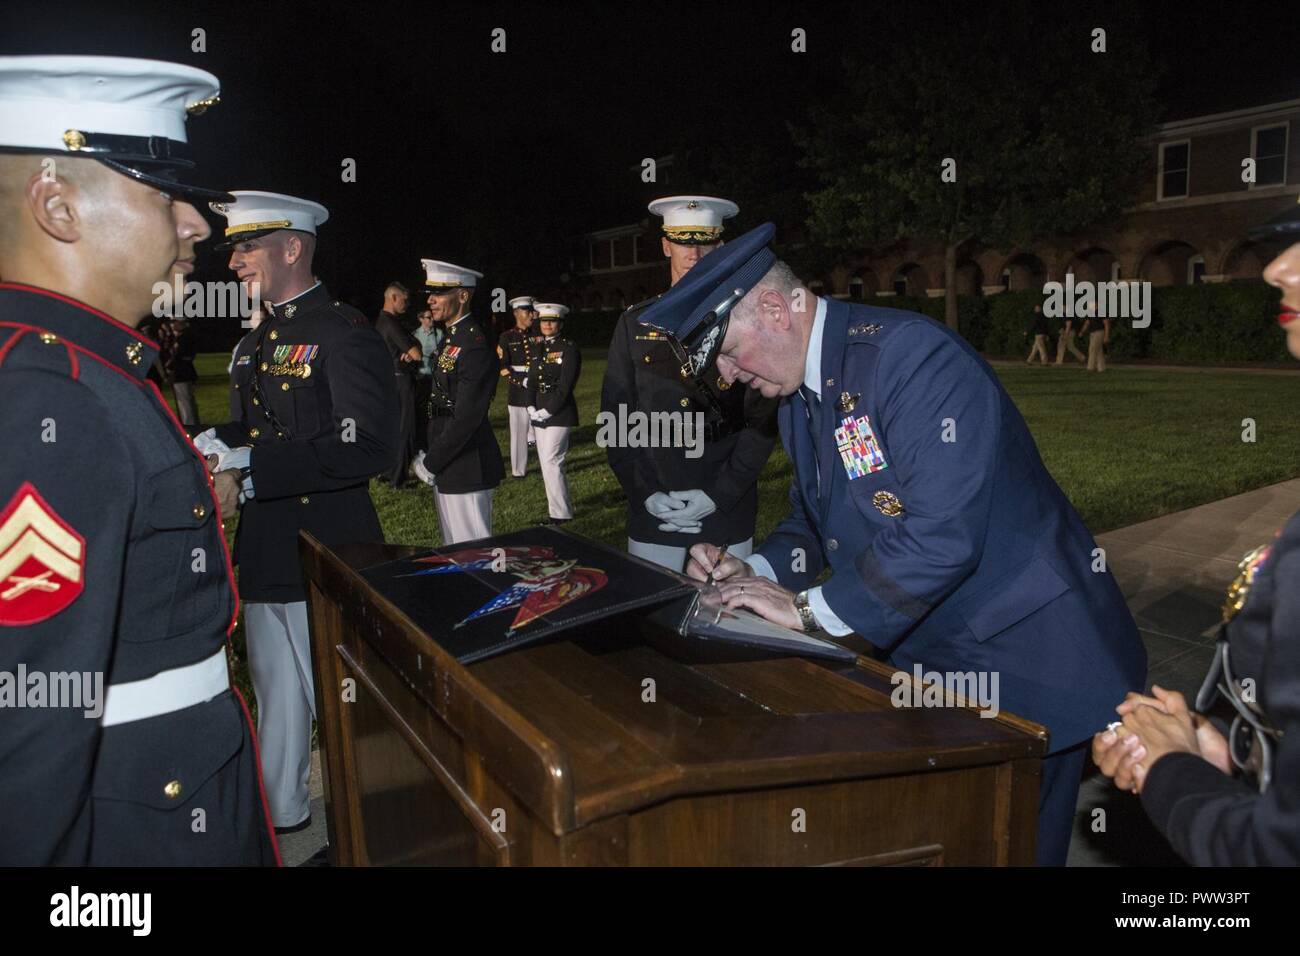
209, 444
694, 528
238, 458
525, 384
661, 505
540, 416
695, 506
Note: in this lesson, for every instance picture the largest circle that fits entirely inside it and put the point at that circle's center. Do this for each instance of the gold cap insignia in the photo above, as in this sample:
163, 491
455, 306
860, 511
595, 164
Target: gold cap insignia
201, 107
74, 139
887, 504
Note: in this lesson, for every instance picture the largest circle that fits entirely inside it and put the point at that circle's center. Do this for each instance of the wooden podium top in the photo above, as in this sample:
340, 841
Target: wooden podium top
571, 728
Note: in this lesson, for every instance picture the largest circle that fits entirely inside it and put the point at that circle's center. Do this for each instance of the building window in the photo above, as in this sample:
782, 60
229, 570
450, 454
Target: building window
1175, 160
1006, 280
621, 251
855, 289
1195, 270
1268, 146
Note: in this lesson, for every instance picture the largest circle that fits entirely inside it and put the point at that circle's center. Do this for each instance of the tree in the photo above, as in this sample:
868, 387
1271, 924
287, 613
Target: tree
993, 134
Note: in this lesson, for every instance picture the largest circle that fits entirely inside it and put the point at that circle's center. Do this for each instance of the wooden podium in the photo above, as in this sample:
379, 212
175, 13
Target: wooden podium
555, 754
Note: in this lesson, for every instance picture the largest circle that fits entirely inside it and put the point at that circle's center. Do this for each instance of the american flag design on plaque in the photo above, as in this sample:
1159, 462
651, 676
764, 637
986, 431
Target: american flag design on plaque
858, 447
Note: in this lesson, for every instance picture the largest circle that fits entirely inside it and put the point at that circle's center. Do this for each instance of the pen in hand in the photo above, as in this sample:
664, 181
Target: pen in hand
717, 561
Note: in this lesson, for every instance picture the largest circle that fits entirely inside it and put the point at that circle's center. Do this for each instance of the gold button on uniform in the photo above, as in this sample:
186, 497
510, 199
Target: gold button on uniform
172, 789
200, 511
254, 432
832, 545
256, 400
284, 386
274, 335
262, 366
686, 403
305, 500
646, 359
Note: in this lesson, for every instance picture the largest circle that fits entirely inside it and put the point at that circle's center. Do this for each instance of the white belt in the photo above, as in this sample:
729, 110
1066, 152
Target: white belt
163, 693
519, 368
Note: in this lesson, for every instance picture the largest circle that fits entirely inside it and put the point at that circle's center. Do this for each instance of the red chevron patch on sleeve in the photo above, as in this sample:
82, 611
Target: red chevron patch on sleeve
42, 560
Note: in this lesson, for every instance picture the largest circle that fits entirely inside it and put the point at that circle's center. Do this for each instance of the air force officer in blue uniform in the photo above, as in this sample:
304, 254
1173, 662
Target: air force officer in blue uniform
917, 483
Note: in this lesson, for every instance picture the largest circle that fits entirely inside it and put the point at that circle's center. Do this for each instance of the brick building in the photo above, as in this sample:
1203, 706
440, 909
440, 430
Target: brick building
1187, 225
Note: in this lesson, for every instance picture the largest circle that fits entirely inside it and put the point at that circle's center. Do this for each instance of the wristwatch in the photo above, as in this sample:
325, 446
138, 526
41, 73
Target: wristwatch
806, 617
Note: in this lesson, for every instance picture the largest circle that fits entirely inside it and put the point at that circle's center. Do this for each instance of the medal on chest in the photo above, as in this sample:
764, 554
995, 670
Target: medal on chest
447, 358
858, 447
294, 360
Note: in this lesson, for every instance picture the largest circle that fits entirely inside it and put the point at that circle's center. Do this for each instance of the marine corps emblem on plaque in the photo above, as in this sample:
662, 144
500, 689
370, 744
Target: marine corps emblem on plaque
887, 504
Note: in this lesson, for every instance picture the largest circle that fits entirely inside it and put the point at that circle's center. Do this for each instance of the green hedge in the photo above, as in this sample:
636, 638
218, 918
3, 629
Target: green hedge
1228, 322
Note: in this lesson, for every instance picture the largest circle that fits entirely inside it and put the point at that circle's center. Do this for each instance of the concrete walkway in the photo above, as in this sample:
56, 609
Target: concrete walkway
1174, 572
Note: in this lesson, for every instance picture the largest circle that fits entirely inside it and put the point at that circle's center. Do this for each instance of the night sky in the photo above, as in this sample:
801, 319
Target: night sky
495, 160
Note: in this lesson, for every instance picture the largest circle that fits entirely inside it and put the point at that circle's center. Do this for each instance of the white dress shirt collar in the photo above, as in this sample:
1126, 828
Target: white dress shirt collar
812, 366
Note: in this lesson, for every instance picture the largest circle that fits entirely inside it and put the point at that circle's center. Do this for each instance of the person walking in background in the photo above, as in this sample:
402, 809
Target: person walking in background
1098, 332
1065, 341
1038, 328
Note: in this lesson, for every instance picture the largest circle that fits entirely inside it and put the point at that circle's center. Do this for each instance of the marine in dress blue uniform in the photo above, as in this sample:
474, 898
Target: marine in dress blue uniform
676, 494
112, 558
556, 366
318, 416
515, 352
959, 555
463, 463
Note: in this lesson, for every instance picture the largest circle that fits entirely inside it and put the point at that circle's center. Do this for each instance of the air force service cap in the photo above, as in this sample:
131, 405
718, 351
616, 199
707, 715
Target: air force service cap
693, 220
440, 276
1287, 224
253, 213
695, 311
128, 114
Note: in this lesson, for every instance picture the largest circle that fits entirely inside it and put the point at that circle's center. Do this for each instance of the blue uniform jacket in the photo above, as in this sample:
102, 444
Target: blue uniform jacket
987, 566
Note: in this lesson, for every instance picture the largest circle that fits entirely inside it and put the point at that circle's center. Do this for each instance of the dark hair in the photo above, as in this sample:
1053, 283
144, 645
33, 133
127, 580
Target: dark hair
398, 286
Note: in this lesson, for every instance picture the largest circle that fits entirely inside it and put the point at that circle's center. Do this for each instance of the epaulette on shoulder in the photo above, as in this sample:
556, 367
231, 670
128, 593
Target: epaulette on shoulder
639, 306
349, 313
27, 347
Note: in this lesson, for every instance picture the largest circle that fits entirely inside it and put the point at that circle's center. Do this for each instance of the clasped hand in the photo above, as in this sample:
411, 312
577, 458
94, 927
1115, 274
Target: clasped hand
1150, 728
682, 511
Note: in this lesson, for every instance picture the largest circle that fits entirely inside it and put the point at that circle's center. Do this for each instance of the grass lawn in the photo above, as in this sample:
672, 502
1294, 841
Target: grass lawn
1125, 446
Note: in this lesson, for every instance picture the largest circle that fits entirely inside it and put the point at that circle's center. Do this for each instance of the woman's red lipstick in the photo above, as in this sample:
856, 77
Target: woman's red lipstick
1286, 317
